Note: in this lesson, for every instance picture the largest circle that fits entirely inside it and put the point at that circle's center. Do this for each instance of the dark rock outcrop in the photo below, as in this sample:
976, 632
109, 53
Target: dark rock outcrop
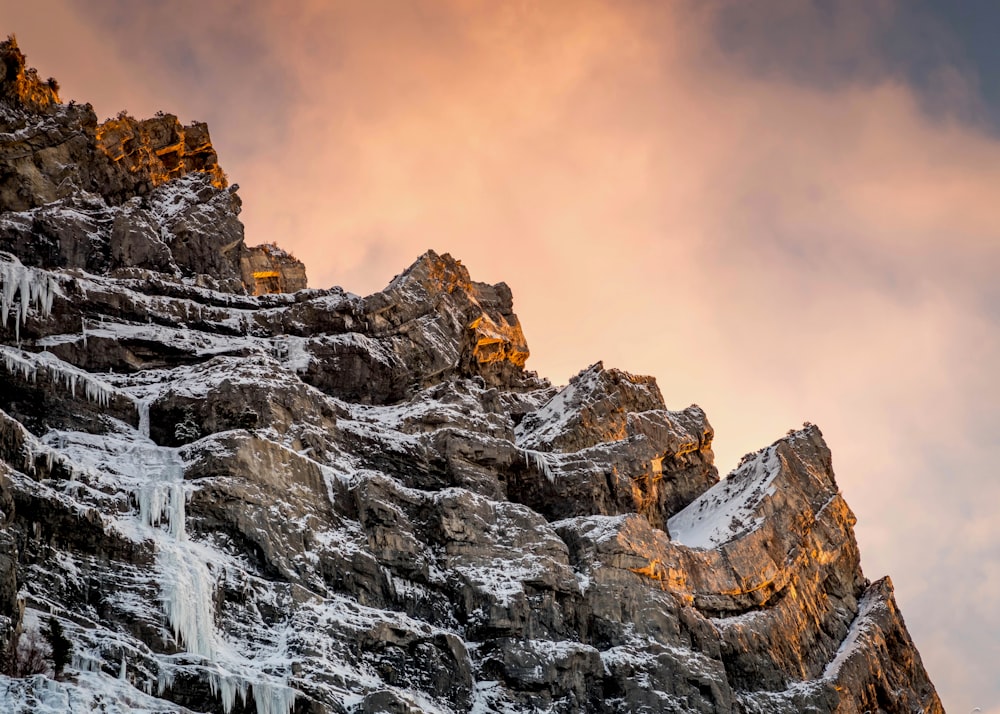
122, 195
237, 499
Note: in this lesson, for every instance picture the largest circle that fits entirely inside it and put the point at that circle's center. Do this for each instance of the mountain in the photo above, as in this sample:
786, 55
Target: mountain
221, 491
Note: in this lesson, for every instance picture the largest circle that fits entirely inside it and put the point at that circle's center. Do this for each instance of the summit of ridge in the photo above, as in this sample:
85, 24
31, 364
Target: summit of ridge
229, 493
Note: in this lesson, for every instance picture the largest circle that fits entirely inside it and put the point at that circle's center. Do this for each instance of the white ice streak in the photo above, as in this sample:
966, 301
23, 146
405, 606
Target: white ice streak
142, 406
30, 285
161, 495
187, 583
187, 588
292, 352
269, 697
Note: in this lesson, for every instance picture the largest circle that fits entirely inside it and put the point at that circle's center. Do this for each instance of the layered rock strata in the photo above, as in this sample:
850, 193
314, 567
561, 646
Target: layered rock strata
123, 196
240, 500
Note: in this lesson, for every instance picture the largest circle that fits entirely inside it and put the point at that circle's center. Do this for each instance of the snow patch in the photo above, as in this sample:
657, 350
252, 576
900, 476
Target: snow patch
851, 642
728, 508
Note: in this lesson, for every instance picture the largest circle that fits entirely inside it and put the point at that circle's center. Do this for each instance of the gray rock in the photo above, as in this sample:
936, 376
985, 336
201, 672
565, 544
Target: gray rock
240, 500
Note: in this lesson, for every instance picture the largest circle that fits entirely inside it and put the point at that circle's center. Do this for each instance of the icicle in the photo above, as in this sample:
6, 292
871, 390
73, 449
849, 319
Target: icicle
7, 296
226, 686
27, 365
123, 672
154, 502
86, 663
187, 591
273, 698
270, 697
83, 330
15, 363
30, 285
161, 498
22, 315
186, 585
539, 460
164, 680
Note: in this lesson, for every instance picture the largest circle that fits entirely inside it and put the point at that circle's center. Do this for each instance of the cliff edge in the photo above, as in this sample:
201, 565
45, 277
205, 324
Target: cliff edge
231, 493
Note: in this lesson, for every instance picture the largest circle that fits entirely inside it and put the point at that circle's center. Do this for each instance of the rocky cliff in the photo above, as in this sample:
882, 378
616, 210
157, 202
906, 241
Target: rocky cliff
236, 498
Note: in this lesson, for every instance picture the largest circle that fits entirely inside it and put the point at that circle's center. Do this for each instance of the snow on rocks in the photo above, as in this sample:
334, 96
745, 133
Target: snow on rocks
727, 509
89, 692
387, 513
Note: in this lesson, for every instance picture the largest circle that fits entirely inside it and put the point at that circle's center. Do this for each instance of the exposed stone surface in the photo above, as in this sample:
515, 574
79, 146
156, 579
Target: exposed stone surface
320, 502
607, 444
269, 269
121, 195
160, 148
20, 84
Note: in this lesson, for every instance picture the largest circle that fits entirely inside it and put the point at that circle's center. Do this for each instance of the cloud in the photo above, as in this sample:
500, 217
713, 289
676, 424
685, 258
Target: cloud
759, 206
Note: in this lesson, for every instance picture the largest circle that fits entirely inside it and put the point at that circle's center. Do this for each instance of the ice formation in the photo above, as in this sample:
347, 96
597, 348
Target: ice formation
27, 365
30, 285
187, 582
540, 461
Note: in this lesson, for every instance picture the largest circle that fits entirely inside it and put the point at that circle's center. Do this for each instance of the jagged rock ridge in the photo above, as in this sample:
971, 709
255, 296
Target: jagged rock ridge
121, 197
320, 502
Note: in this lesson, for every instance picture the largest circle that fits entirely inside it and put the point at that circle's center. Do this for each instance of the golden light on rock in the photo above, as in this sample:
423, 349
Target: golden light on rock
160, 146
22, 82
498, 342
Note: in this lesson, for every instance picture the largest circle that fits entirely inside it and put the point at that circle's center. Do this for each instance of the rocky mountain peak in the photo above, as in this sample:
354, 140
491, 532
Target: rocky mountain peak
20, 85
123, 197
230, 493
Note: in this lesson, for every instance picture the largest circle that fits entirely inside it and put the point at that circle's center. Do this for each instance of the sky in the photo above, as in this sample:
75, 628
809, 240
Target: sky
785, 211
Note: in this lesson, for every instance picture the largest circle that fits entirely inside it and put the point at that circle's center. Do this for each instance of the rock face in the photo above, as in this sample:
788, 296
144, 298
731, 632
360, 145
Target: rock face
122, 196
269, 269
160, 149
238, 499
